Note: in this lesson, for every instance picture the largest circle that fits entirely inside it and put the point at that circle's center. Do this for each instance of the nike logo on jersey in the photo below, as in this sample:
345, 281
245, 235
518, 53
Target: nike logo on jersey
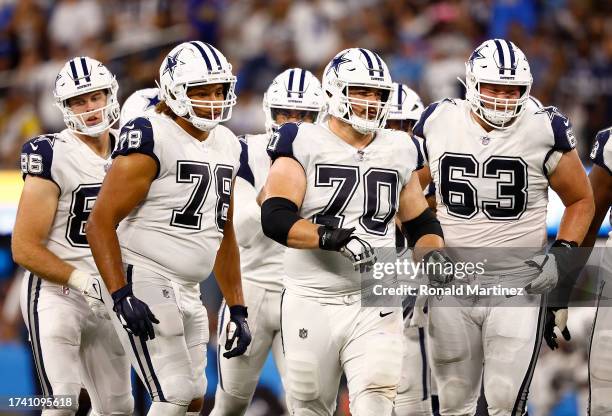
382, 315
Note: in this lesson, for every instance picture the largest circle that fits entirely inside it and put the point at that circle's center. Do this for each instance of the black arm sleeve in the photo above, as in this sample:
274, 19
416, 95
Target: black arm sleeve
277, 217
425, 223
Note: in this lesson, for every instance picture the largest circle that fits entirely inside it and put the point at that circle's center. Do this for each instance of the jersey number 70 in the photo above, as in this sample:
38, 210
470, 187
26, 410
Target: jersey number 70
380, 196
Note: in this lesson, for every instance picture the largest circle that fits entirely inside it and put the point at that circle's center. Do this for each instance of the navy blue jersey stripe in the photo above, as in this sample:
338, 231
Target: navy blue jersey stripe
214, 54
75, 75
420, 161
370, 64
204, 55
85, 70
418, 129
512, 63
302, 79
500, 52
244, 170
290, 84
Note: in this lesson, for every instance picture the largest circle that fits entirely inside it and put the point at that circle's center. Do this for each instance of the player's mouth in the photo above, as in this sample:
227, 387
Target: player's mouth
93, 120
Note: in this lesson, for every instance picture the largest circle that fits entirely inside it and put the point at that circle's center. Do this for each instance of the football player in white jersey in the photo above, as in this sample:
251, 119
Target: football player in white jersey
295, 95
600, 354
331, 196
406, 108
492, 158
140, 103
170, 188
413, 392
72, 338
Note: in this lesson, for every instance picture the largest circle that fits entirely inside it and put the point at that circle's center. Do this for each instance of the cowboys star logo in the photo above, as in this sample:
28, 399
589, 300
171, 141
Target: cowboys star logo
337, 62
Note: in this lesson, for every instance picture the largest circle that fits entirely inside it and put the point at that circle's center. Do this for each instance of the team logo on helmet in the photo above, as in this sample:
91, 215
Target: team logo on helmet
171, 63
337, 62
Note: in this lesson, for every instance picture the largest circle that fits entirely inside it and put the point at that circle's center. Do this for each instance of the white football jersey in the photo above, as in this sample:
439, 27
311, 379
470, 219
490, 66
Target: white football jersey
492, 188
78, 172
140, 103
346, 188
177, 229
261, 258
601, 155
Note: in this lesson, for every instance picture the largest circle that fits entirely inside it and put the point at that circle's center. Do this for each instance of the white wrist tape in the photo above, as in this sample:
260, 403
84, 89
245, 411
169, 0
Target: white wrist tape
79, 280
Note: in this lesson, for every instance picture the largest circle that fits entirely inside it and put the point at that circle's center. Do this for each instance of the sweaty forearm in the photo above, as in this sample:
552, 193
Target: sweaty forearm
227, 269
106, 251
304, 234
576, 220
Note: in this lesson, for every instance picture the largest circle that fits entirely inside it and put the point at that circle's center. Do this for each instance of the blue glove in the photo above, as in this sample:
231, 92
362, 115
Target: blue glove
237, 329
134, 314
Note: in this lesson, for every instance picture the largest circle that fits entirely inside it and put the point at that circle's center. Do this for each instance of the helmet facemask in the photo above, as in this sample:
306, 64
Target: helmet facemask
77, 122
499, 113
372, 114
219, 110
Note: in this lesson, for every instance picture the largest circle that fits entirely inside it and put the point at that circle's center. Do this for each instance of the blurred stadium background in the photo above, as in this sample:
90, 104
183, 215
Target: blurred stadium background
425, 43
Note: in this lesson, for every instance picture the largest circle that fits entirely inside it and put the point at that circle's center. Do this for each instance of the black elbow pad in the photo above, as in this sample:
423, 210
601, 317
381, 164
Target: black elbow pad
425, 223
277, 217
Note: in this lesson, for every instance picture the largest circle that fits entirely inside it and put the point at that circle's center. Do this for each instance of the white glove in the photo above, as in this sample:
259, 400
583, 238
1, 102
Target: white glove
561, 319
360, 253
418, 318
436, 268
90, 287
548, 277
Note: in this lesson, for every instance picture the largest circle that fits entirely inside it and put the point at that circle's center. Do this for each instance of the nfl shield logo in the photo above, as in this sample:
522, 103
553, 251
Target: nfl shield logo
165, 293
485, 140
303, 333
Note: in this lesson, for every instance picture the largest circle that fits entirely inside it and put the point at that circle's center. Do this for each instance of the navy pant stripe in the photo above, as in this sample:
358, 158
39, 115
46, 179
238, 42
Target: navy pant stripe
34, 328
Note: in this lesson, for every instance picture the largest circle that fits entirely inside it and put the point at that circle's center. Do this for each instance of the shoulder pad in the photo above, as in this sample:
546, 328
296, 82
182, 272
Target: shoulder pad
281, 141
419, 151
565, 140
137, 137
244, 170
599, 149
37, 156
420, 125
